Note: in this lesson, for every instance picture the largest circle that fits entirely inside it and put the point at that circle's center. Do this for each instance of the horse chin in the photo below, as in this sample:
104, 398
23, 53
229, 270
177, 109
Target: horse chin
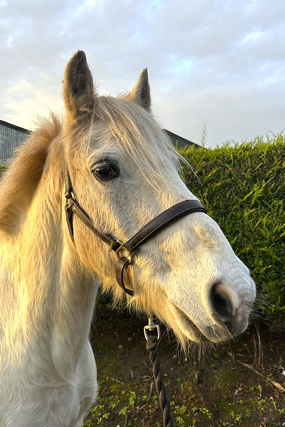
192, 332
186, 327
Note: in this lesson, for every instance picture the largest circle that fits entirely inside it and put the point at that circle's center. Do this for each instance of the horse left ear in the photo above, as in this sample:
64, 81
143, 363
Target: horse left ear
140, 94
78, 90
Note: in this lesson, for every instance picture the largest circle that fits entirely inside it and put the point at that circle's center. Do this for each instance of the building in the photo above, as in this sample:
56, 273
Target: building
179, 141
11, 137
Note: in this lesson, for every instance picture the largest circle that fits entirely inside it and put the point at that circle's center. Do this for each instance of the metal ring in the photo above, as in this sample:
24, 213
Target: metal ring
123, 248
151, 327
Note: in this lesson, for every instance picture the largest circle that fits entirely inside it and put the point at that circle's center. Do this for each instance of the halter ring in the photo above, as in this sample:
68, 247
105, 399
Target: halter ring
123, 248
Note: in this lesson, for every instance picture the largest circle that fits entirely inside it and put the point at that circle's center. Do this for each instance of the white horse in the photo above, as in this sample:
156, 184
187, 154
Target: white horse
123, 172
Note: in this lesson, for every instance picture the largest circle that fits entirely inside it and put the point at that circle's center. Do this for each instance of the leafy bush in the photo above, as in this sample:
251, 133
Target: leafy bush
243, 188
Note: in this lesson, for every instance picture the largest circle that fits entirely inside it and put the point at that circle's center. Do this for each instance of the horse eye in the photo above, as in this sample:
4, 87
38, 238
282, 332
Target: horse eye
104, 171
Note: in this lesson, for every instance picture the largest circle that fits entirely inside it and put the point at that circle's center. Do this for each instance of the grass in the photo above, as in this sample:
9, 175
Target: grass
219, 392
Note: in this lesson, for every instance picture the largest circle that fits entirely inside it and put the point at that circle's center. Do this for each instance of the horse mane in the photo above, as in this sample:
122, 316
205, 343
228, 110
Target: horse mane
19, 183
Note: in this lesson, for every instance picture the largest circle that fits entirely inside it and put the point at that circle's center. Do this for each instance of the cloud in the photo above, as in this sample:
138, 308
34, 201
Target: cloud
216, 62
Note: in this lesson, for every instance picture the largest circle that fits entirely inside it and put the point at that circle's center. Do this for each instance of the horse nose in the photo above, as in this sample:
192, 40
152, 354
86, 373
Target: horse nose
221, 305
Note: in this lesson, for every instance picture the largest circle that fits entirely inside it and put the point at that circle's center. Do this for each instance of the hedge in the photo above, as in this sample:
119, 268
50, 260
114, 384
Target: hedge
243, 188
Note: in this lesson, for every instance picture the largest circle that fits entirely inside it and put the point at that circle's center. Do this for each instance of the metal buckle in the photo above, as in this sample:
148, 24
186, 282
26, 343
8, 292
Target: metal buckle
69, 195
123, 248
151, 327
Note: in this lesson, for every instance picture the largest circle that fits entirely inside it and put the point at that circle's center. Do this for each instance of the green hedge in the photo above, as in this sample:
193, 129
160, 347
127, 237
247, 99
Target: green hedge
243, 188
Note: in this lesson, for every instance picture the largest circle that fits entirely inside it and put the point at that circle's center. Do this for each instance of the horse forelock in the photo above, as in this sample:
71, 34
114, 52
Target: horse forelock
137, 134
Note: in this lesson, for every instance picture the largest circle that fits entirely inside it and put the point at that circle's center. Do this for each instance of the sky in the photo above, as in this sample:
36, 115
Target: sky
213, 64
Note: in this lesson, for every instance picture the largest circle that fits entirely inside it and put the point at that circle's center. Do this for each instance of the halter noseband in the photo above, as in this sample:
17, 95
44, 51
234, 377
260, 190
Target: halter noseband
153, 227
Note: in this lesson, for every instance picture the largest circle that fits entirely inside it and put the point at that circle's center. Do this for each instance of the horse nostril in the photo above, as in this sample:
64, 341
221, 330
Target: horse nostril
221, 304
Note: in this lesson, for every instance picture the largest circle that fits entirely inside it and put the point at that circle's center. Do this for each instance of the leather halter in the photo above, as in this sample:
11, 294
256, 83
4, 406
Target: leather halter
153, 227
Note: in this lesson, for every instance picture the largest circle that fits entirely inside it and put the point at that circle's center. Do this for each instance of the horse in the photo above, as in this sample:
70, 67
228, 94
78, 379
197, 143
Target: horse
71, 203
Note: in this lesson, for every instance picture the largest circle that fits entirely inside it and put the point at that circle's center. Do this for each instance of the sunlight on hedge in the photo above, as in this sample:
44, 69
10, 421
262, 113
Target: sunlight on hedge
243, 188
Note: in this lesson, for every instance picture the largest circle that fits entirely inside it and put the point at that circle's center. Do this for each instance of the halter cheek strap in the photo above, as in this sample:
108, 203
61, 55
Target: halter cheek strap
149, 230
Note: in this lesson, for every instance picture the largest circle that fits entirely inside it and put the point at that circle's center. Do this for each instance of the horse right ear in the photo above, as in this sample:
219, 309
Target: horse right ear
140, 94
78, 90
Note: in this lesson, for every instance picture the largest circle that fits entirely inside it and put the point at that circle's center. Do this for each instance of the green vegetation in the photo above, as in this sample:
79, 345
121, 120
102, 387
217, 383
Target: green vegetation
243, 188
223, 401
132, 409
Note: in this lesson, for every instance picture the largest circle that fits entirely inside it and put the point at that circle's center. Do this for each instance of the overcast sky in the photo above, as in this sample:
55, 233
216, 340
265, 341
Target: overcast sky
216, 62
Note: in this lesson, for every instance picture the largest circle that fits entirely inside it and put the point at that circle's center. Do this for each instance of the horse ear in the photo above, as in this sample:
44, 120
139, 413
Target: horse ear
140, 94
78, 90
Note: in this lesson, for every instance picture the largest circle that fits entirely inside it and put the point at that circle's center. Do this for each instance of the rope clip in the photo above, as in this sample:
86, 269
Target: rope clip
151, 327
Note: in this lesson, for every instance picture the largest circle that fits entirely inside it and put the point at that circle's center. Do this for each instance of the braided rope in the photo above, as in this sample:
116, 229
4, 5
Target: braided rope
151, 346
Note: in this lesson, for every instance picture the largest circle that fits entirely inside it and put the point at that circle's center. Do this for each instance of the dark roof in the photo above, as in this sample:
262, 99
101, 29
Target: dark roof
18, 128
179, 141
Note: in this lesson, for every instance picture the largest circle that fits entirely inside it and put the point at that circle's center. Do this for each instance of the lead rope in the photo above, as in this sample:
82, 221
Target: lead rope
152, 343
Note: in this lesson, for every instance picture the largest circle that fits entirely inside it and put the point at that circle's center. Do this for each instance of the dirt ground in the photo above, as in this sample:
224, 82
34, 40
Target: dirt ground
239, 383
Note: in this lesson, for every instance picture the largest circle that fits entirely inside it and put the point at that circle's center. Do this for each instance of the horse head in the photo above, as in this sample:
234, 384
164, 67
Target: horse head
124, 172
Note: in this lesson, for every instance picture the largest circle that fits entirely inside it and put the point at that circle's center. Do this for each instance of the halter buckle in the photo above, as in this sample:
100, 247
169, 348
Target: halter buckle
69, 195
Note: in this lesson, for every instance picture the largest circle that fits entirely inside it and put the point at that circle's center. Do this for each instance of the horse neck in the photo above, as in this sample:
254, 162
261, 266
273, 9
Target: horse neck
54, 287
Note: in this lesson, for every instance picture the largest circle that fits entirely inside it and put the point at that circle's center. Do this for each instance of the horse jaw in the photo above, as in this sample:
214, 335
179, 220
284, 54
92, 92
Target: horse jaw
200, 290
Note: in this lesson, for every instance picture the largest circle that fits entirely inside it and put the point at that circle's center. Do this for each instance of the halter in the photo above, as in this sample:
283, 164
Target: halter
129, 247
